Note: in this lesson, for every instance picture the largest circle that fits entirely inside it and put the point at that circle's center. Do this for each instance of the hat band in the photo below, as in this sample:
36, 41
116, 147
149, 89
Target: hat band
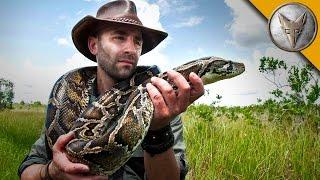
126, 20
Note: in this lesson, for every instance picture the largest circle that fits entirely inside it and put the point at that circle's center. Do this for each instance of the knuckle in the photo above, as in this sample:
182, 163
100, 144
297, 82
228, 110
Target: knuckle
63, 168
173, 74
55, 148
176, 110
169, 91
156, 97
166, 113
186, 88
68, 169
155, 80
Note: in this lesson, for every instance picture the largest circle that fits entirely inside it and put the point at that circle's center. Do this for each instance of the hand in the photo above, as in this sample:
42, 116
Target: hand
168, 102
62, 168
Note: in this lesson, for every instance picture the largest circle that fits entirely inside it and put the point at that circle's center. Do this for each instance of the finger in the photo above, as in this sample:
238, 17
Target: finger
183, 89
158, 101
62, 141
166, 90
63, 163
60, 159
197, 89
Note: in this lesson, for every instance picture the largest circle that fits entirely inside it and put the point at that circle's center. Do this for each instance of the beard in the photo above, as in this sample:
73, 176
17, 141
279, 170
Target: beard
110, 64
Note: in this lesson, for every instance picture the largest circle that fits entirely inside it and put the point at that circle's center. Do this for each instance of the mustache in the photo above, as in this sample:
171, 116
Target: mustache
128, 56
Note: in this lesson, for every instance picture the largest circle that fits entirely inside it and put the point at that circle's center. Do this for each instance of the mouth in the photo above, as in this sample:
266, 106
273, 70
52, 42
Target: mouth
127, 62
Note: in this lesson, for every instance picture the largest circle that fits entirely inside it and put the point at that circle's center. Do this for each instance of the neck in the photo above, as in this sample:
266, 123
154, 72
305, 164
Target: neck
104, 81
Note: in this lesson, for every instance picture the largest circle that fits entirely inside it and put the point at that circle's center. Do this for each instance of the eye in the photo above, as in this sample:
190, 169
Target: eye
121, 38
297, 31
138, 42
287, 31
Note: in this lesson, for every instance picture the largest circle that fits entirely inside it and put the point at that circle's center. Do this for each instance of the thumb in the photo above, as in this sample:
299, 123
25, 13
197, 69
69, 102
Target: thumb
62, 141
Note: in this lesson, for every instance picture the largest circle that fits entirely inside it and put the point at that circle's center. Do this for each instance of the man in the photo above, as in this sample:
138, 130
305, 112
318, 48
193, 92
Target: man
116, 38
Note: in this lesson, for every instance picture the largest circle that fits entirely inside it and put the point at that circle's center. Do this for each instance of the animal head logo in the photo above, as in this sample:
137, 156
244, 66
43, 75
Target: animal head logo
291, 28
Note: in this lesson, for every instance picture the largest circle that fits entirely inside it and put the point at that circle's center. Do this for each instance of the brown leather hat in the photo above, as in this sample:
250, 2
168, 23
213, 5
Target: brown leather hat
119, 12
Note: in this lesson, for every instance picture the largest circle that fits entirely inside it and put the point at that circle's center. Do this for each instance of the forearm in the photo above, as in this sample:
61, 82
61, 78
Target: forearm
161, 166
33, 172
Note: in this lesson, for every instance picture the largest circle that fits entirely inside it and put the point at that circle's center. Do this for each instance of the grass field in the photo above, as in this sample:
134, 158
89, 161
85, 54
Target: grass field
18, 131
257, 142
266, 141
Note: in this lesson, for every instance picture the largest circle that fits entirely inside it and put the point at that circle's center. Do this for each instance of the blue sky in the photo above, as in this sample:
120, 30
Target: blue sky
32, 27
37, 48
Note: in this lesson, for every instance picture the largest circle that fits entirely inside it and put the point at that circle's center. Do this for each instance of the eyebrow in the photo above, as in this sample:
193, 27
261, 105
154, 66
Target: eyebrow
123, 33
120, 32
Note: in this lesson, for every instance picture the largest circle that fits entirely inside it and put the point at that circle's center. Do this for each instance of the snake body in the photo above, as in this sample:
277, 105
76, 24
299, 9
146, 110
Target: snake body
108, 131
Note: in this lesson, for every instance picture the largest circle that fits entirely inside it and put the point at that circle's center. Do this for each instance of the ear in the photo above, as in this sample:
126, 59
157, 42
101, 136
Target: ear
93, 44
302, 19
283, 20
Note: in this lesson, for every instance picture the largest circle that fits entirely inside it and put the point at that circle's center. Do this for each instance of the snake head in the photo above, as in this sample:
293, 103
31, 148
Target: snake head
219, 69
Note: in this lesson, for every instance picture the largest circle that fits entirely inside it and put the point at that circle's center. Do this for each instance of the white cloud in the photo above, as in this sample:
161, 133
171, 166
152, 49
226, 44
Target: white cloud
156, 57
63, 42
185, 8
241, 90
79, 12
34, 82
62, 17
175, 6
149, 14
77, 60
246, 88
97, 1
248, 28
192, 21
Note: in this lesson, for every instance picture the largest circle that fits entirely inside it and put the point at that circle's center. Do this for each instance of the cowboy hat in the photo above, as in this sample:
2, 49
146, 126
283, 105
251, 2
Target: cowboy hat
119, 12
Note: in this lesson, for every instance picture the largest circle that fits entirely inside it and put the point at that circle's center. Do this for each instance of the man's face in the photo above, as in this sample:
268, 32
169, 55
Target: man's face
118, 51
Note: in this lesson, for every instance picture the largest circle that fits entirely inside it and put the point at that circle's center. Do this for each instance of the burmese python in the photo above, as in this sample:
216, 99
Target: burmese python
108, 131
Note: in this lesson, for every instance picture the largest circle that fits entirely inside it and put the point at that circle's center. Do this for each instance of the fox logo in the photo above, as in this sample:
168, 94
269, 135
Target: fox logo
292, 29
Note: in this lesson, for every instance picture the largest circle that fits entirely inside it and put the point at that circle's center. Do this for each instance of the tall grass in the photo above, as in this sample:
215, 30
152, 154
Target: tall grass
237, 143
18, 131
268, 141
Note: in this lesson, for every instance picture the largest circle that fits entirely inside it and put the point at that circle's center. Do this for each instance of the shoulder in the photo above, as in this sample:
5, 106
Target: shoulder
76, 76
83, 72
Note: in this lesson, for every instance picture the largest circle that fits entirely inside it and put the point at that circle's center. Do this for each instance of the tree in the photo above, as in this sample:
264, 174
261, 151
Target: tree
6, 93
301, 84
37, 103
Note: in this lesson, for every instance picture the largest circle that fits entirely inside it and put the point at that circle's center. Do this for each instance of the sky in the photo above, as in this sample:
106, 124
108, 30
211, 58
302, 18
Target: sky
37, 48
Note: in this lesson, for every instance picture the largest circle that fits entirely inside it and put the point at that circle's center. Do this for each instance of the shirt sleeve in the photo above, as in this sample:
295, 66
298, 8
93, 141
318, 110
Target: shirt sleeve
179, 147
38, 154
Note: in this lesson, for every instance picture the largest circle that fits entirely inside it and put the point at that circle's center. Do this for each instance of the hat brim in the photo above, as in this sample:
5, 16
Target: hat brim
82, 30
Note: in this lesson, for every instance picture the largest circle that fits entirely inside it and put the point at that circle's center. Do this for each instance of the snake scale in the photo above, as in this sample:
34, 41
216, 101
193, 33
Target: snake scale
108, 131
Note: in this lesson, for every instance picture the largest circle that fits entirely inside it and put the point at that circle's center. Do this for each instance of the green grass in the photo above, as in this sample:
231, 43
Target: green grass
247, 145
18, 131
268, 141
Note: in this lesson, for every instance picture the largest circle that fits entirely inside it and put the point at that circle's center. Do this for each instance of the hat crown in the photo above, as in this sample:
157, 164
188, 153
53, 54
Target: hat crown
119, 9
